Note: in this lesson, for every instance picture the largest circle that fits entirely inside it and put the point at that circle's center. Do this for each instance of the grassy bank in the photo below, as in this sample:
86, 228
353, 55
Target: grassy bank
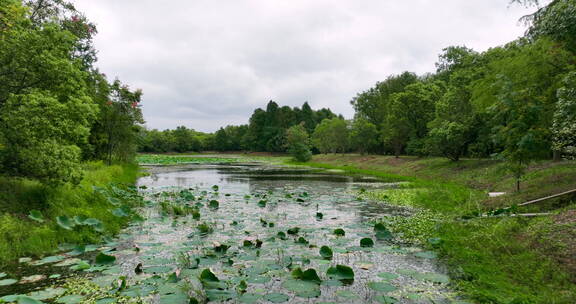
491, 260
21, 236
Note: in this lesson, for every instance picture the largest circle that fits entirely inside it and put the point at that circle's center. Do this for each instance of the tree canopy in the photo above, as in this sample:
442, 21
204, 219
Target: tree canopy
56, 108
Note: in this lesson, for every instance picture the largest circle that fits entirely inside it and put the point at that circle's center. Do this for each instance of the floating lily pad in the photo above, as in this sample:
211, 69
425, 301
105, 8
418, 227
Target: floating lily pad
158, 269
381, 286
339, 232
81, 265
326, 252
28, 300
293, 231
220, 295
366, 243
299, 286
7, 282
308, 275
68, 262
385, 299
48, 294
65, 222
71, 299
382, 233
32, 279
276, 297
214, 204
332, 283
104, 259
426, 255
37, 216
258, 279
388, 275
249, 298
80, 220
177, 298
340, 272
119, 212
347, 294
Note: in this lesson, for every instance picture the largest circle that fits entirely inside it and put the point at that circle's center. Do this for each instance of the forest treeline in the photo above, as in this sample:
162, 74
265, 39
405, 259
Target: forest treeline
515, 102
57, 109
265, 132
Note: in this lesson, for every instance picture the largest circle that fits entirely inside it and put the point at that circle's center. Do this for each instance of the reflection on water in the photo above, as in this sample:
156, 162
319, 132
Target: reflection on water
328, 193
293, 198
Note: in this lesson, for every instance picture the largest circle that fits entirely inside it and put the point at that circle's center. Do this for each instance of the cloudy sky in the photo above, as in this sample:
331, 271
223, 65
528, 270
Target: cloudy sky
210, 63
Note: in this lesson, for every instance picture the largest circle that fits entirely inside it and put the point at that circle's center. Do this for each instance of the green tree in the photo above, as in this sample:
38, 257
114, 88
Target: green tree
41, 135
298, 143
45, 107
117, 123
454, 126
410, 113
564, 125
373, 104
517, 127
364, 136
556, 20
331, 136
221, 140
185, 140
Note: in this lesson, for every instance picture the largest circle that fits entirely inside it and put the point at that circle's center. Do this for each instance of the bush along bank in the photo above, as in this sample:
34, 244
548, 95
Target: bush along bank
36, 219
497, 259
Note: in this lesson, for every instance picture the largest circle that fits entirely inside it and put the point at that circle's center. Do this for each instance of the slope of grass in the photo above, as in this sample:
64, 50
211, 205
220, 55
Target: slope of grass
491, 260
20, 236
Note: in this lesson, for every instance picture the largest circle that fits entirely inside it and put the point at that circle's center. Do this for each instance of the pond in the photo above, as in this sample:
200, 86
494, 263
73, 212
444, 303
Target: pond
256, 233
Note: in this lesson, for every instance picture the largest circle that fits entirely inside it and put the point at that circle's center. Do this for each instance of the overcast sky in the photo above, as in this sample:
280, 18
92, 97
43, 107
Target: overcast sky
210, 63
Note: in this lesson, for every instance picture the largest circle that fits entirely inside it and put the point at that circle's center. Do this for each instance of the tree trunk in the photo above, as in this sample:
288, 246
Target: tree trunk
557, 156
518, 185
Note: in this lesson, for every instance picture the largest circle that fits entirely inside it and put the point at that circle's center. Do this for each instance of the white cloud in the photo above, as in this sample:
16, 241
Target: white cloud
208, 63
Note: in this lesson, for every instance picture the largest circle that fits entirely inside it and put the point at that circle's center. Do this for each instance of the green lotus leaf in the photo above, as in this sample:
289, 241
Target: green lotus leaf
366, 243
65, 222
326, 252
36, 216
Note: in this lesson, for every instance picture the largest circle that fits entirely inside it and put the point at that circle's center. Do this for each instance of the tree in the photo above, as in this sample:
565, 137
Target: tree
522, 78
267, 128
453, 127
117, 122
364, 136
556, 20
373, 104
411, 111
45, 107
517, 119
185, 140
41, 135
221, 140
449, 138
331, 135
298, 143
564, 124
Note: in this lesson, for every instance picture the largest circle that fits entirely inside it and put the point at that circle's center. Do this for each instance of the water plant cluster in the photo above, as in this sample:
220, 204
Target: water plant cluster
280, 245
164, 159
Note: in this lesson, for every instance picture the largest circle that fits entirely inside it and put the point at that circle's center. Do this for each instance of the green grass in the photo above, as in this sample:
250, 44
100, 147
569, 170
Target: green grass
491, 260
444, 197
494, 261
20, 236
165, 159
